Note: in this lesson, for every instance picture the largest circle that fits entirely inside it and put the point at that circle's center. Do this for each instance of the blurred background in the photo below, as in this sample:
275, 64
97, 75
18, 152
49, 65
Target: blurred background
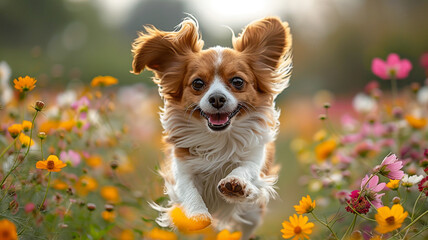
65, 43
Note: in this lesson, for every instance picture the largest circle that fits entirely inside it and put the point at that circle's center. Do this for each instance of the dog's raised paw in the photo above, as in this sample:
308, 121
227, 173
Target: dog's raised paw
233, 187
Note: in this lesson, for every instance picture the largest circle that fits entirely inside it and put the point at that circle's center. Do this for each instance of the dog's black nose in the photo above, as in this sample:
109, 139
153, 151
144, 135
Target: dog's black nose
217, 100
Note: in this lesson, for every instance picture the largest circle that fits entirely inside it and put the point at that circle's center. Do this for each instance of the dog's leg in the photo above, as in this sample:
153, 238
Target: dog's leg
188, 196
253, 218
244, 183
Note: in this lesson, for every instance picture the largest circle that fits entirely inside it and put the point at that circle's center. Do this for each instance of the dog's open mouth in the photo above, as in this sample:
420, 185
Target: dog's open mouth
220, 121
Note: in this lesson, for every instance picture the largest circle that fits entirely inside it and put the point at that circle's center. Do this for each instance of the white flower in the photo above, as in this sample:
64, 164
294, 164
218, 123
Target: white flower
5, 89
423, 95
407, 181
66, 98
363, 103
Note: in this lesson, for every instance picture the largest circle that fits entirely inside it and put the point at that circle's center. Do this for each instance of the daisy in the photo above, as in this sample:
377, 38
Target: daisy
52, 164
390, 219
298, 227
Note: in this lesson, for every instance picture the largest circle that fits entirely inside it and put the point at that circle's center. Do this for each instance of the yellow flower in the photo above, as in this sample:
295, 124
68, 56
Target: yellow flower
48, 126
325, 149
159, 234
52, 164
389, 219
27, 125
59, 184
417, 123
185, 224
85, 184
14, 130
25, 140
297, 227
305, 205
110, 193
226, 235
320, 135
108, 216
7, 230
24, 84
103, 81
127, 234
393, 184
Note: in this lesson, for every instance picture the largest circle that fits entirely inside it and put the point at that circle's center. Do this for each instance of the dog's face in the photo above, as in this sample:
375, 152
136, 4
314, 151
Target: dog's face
216, 84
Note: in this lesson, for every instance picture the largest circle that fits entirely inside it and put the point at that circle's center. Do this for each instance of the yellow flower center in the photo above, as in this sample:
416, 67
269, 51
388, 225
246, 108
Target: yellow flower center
390, 220
297, 230
51, 165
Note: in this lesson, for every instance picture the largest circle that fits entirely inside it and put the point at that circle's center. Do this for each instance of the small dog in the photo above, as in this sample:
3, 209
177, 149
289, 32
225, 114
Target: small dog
219, 118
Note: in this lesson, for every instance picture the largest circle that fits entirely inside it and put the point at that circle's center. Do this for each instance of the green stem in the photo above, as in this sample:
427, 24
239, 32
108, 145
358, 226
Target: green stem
11, 169
7, 148
31, 133
351, 227
46, 193
362, 216
394, 90
414, 205
326, 225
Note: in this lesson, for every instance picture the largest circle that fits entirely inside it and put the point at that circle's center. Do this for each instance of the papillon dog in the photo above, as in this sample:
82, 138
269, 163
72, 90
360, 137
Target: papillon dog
219, 119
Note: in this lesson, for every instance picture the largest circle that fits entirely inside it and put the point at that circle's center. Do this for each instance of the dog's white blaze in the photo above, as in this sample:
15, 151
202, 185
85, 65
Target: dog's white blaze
218, 87
219, 59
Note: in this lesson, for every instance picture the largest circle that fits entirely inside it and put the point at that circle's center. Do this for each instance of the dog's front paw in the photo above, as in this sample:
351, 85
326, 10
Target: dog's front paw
234, 189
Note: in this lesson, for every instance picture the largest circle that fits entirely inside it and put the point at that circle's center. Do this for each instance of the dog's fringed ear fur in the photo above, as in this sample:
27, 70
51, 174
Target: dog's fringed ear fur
164, 53
267, 44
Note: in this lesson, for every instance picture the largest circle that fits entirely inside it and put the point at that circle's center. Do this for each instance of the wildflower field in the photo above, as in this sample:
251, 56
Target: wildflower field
80, 162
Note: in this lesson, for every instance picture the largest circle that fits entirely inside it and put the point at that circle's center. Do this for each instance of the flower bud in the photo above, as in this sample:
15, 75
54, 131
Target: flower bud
396, 200
91, 206
327, 105
109, 207
42, 135
322, 117
415, 87
397, 112
39, 106
114, 164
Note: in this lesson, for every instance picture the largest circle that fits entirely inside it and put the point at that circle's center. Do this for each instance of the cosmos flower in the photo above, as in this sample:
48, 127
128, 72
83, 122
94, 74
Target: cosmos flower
389, 219
393, 184
26, 125
408, 181
325, 149
25, 140
417, 123
14, 130
24, 84
357, 203
103, 81
305, 205
391, 167
110, 193
423, 186
371, 189
52, 164
393, 67
7, 230
297, 228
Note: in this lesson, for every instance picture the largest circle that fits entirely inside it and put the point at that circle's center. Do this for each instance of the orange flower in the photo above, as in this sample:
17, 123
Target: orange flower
52, 164
305, 205
110, 193
159, 234
108, 216
103, 81
14, 130
127, 234
59, 184
94, 161
325, 149
85, 184
417, 123
24, 84
25, 140
185, 224
27, 125
226, 235
7, 230
67, 125
389, 219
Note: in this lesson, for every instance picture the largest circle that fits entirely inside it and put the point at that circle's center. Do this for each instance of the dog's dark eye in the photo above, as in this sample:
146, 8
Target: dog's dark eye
198, 84
237, 82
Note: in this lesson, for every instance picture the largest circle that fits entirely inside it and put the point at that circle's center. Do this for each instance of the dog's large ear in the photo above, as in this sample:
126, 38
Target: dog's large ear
267, 43
164, 53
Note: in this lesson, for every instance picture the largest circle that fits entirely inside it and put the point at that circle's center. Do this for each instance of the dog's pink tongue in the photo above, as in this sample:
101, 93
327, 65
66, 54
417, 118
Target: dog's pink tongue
219, 118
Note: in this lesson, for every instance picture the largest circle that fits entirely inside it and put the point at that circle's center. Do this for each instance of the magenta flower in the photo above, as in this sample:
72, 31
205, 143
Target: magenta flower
370, 190
391, 167
358, 203
393, 67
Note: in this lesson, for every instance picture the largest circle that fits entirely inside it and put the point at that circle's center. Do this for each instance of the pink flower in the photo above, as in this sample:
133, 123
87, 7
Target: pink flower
371, 189
393, 67
29, 207
391, 167
424, 60
70, 156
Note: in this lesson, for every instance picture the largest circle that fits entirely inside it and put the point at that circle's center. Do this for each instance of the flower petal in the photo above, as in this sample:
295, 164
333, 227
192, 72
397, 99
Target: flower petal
393, 60
404, 69
379, 68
